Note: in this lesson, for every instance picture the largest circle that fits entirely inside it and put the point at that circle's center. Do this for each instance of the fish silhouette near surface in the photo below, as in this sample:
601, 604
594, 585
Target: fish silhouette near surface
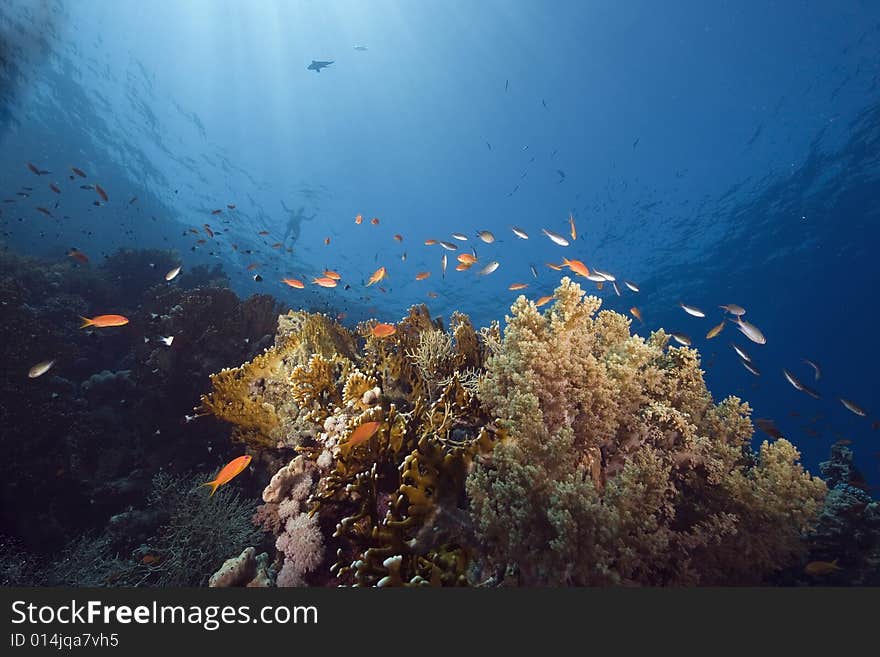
317, 66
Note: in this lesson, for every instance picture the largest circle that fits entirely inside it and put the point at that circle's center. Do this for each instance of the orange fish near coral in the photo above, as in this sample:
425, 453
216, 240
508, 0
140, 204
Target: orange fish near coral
576, 266
377, 276
820, 568
467, 258
363, 432
229, 471
79, 256
383, 330
574, 234
540, 302
103, 321
635, 312
518, 286
293, 282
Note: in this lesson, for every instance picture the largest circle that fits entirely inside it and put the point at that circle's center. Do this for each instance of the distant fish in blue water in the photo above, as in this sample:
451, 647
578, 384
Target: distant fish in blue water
852, 406
816, 370
317, 66
360, 48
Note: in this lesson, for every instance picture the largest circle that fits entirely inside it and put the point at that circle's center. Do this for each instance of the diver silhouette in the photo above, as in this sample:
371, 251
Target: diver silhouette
293, 224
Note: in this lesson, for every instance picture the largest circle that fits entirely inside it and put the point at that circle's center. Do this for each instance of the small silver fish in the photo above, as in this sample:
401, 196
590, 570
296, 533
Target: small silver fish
170, 276
461, 237
852, 406
751, 368
632, 286
681, 338
443, 264
741, 353
486, 236
488, 269
519, 232
556, 238
40, 369
616, 289
534, 271
691, 310
168, 340
733, 309
449, 246
596, 278
751, 331
817, 372
792, 379
604, 274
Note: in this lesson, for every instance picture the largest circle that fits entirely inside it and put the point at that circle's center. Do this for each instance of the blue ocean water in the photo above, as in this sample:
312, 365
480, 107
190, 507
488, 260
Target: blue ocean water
711, 152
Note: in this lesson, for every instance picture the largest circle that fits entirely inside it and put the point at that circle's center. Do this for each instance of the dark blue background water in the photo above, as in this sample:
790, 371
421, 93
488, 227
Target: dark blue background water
713, 152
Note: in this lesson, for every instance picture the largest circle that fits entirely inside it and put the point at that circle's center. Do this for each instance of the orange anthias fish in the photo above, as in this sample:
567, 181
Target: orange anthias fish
554, 267
383, 330
326, 241
398, 237
329, 273
422, 275
324, 281
377, 276
637, 314
362, 433
375, 221
79, 256
229, 471
463, 266
576, 266
540, 302
574, 234
467, 258
293, 282
819, 568
430, 242
103, 321
359, 219
518, 286
101, 192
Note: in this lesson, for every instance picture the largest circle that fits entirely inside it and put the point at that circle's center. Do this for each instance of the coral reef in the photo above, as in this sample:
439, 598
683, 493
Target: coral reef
620, 469
848, 527
565, 451
391, 506
112, 410
247, 569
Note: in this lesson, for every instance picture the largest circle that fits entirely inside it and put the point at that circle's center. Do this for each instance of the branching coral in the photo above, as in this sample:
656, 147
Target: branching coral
378, 496
566, 451
620, 468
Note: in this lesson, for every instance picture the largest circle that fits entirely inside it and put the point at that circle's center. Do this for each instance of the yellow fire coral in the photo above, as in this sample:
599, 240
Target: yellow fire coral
620, 469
